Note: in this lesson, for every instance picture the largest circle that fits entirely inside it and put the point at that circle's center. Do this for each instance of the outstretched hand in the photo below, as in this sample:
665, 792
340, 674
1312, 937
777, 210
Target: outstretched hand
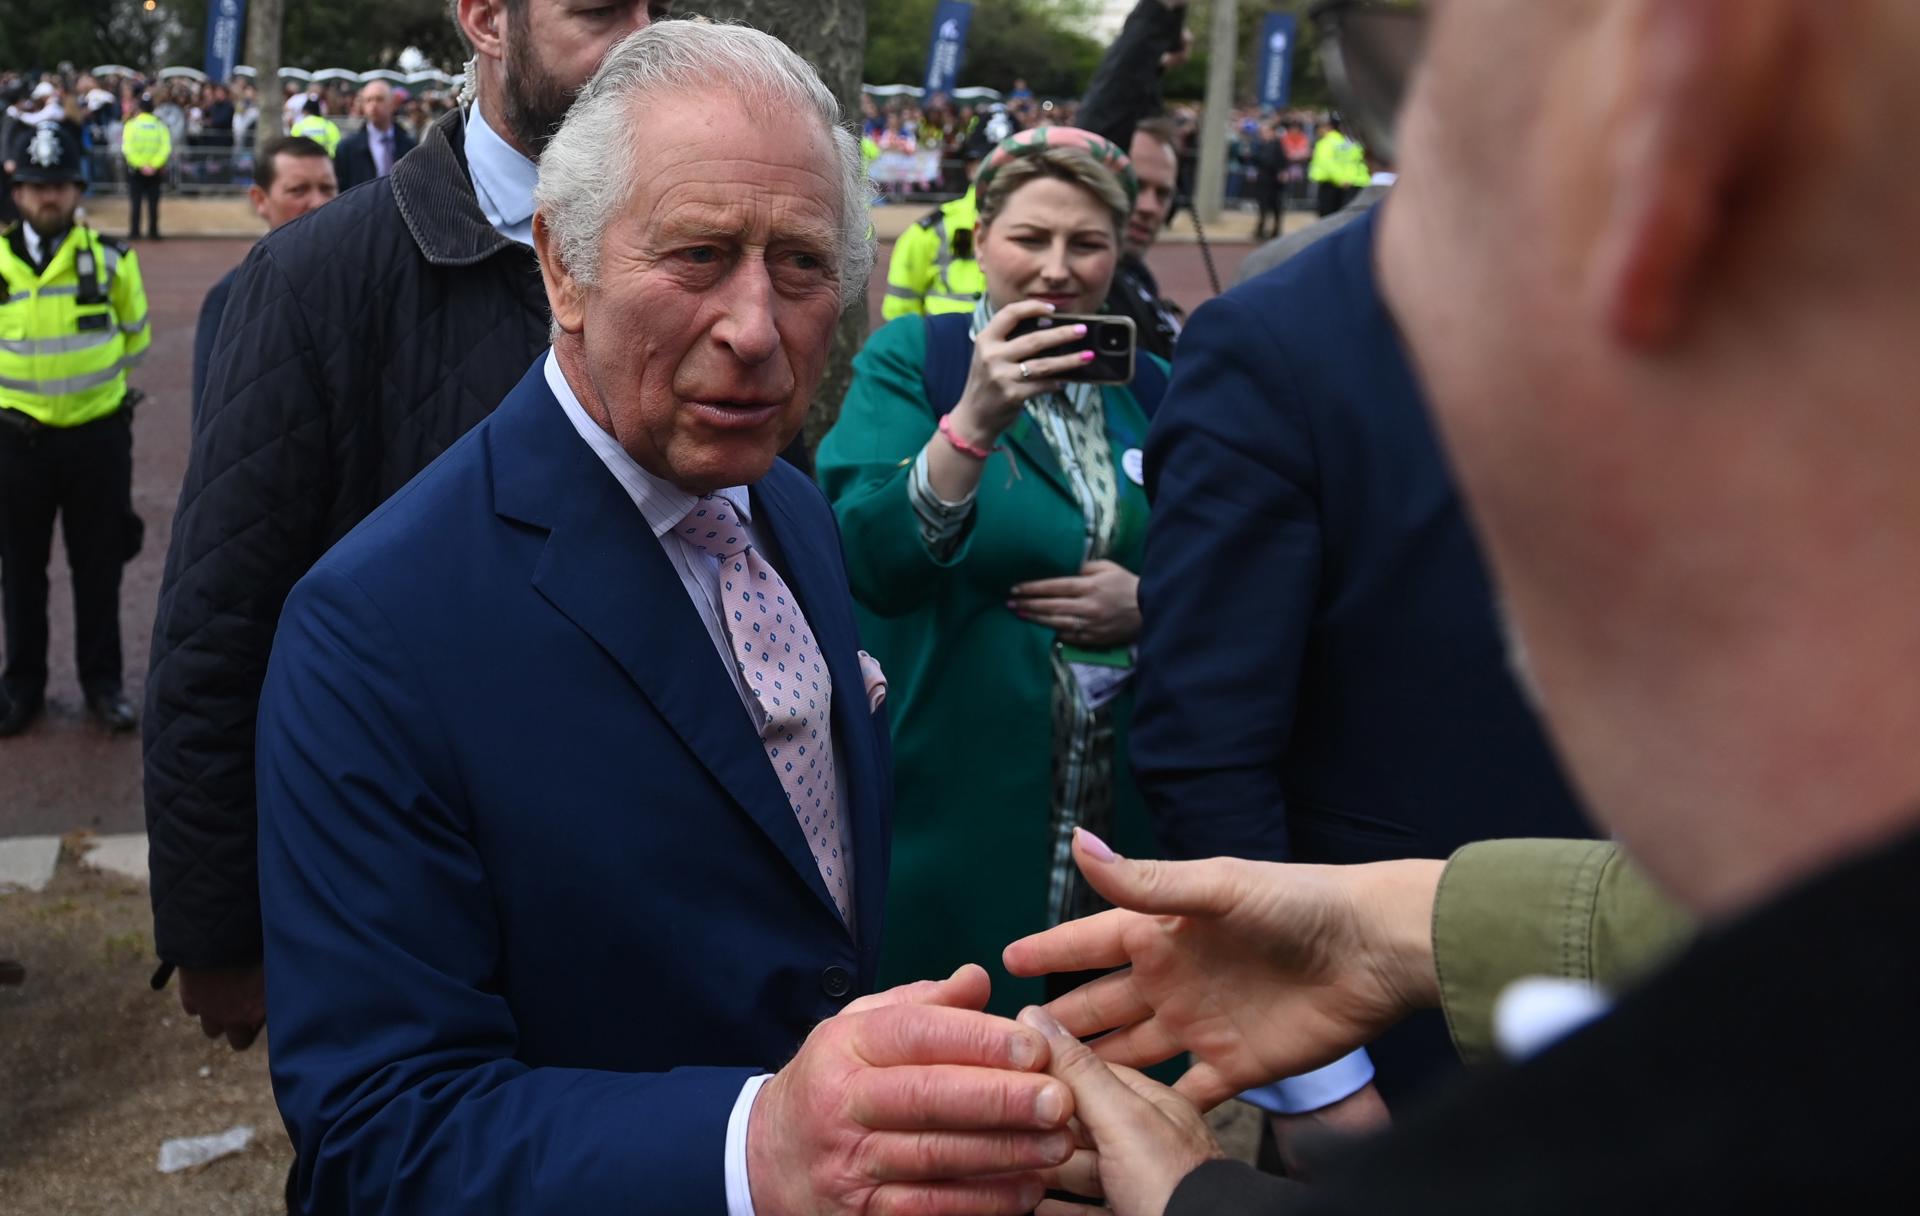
1260, 971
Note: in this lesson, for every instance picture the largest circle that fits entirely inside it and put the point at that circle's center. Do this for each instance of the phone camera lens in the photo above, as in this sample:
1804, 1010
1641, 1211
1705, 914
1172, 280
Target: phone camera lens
1113, 340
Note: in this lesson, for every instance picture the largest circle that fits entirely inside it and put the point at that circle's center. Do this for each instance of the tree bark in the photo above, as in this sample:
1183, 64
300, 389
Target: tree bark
264, 21
832, 36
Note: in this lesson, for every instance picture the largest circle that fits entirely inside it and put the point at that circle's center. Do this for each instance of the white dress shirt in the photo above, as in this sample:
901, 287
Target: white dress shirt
380, 144
503, 180
34, 245
664, 505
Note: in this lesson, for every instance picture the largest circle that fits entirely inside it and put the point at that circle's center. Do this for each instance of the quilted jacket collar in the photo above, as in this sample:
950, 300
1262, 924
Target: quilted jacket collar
435, 195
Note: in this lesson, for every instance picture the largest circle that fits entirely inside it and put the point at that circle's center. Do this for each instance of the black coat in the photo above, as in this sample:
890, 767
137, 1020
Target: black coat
359, 342
1771, 1068
353, 160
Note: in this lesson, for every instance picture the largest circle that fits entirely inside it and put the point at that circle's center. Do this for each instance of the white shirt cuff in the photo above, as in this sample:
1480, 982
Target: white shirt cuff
739, 1193
1311, 1091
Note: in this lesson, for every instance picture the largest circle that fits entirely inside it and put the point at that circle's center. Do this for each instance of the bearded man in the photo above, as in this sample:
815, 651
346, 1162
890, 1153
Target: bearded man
354, 349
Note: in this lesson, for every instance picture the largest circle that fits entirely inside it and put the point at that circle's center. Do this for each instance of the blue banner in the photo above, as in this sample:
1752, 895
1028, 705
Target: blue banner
950, 22
1276, 59
226, 19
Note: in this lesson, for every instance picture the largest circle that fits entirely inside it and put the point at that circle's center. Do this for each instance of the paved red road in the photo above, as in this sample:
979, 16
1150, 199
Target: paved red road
65, 774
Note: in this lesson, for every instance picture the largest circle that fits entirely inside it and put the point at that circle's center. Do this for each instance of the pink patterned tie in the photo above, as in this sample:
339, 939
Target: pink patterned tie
774, 649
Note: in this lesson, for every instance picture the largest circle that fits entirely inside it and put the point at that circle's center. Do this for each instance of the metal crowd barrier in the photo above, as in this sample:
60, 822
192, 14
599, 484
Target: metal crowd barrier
194, 170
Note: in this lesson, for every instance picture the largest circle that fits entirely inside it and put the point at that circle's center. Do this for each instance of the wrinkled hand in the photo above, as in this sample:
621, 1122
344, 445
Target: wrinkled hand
1299, 1138
996, 392
230, 1001
1098, 607
910, 1101
1261, 971
1138, 1138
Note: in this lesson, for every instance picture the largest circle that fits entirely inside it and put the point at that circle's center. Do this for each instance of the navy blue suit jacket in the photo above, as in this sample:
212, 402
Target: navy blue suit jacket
1323, 676
353, 159
535, 903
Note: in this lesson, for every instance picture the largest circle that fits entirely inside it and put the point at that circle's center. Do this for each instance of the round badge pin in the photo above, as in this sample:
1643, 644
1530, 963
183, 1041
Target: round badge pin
1135, 464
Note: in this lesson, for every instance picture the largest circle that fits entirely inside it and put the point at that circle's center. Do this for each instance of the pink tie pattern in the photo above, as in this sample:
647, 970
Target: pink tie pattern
774, 649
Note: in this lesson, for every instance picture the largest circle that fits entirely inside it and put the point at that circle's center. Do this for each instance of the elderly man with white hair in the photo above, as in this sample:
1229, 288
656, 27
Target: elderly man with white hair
574, 786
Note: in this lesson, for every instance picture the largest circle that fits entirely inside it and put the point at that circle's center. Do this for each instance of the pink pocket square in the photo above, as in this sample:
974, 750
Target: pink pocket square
876, 680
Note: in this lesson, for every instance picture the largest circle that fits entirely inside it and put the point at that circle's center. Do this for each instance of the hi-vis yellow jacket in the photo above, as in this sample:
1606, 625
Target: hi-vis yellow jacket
1340, 160
933, 268
66, 344
146, 142
320, 129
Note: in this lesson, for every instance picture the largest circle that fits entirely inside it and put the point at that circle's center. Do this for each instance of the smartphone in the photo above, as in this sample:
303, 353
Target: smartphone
1111, 339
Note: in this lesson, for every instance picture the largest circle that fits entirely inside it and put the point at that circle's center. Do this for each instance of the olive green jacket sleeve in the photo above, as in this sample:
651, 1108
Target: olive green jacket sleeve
1565, 909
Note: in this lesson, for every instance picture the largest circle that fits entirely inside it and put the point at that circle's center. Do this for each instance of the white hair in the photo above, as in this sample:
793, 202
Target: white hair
587, 169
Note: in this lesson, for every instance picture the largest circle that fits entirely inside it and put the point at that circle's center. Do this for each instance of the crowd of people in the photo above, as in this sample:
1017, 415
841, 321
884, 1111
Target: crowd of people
1254, 698
210, 123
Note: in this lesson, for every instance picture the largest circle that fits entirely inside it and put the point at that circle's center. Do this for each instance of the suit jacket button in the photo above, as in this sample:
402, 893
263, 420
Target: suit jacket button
836, 983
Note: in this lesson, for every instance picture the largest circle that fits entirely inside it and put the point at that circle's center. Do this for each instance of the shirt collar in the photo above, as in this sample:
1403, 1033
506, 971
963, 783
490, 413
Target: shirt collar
34, 243
503, 180
663, 503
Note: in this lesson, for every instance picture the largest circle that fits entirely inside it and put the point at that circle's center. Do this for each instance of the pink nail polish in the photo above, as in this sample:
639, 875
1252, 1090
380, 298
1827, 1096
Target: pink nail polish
1095, 847
1086, 356
1080, 329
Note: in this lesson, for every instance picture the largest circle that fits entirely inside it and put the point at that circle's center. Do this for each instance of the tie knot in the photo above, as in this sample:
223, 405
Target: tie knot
713, 526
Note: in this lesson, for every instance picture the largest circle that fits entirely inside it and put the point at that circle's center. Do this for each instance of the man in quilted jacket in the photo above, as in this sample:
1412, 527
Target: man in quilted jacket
355, 348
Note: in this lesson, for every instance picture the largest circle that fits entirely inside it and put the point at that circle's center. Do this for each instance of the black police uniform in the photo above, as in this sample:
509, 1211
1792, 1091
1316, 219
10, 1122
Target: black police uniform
75, 460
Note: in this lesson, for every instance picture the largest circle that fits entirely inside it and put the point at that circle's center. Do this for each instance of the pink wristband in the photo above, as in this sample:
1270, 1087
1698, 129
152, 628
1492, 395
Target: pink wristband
972, 449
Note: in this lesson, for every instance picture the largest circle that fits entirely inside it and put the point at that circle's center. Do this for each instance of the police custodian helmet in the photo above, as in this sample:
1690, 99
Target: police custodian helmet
50, 154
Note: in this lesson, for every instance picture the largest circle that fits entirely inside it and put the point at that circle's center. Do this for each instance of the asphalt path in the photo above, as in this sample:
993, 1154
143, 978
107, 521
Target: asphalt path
65, 774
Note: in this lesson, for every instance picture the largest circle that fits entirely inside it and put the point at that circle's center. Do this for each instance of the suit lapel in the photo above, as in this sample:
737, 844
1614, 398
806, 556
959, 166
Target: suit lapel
811, 567
604, 570
1035, 453
1125, 426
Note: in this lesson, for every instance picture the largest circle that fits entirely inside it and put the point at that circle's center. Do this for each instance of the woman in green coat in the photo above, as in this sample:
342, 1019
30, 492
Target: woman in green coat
993, 548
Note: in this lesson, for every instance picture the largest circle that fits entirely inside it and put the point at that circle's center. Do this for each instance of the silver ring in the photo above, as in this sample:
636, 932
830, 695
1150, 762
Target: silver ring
1023, 371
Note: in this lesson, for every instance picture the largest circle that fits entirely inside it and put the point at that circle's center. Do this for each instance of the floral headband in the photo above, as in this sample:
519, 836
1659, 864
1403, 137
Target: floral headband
1027, 143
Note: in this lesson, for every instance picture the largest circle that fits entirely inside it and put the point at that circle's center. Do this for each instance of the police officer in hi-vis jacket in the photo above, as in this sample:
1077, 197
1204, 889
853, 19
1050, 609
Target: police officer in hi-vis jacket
73, 318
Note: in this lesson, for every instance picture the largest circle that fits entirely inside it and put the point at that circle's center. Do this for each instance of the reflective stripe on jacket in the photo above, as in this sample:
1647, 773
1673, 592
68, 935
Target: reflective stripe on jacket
146, 143
64, 362
1340, 161
319, 129
926, 275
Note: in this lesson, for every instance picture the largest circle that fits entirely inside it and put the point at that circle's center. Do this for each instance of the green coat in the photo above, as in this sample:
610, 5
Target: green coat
969, 683
1566, 909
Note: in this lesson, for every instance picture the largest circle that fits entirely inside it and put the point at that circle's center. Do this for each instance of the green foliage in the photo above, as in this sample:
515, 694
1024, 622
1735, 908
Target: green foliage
1189, 81
1044, 42
1040, 41
354, 34
42, 34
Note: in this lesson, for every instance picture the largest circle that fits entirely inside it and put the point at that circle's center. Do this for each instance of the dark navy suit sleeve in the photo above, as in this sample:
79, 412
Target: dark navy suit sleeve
1227, 596
393, 1049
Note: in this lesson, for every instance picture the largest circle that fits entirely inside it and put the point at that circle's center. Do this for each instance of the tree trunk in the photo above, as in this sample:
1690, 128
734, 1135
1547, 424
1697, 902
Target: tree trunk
832, 36
264, 19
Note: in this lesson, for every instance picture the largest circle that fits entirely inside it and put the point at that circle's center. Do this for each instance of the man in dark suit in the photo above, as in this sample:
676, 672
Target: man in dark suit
573, 790
1675, 373
380, 142
1323, 676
